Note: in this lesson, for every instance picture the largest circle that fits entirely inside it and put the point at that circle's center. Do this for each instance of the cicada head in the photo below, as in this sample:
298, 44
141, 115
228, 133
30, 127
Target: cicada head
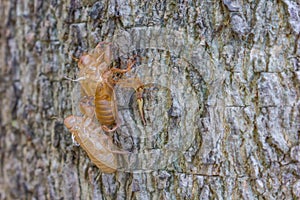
72, 122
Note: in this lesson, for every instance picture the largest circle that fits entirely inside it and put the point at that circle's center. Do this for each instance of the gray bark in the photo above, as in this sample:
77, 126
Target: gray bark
229, 103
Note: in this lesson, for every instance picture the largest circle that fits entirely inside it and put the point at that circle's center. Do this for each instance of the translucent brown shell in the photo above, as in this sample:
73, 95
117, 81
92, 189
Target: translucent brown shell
91, 67
96, 144
98, 100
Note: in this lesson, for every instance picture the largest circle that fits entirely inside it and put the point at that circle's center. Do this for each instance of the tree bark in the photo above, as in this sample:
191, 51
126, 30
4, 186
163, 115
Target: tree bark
221, 103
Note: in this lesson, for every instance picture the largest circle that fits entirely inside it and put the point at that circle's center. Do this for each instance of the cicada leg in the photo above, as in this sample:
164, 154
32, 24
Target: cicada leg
137, 85
106, 129
129, 66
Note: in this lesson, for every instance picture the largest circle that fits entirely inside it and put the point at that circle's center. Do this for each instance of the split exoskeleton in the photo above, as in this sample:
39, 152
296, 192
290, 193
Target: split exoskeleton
98, 99
99, 147
98, 83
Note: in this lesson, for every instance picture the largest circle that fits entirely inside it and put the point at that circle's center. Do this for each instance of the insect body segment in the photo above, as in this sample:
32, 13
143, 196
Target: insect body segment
105, 107
97, 145
88, 135
92, 66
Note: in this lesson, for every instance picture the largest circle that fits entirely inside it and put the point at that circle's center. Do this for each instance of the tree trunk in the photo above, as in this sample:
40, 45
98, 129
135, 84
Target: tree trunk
221, 99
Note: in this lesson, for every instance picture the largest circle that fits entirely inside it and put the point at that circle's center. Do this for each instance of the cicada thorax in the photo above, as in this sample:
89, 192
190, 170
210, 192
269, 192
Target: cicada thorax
105, 106
90, 76
92, 66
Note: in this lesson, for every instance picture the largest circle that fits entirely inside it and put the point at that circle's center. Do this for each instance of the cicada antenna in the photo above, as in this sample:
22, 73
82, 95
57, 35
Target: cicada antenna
75, 80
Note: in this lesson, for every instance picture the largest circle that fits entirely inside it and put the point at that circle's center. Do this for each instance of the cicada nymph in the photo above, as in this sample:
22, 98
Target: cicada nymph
97, 80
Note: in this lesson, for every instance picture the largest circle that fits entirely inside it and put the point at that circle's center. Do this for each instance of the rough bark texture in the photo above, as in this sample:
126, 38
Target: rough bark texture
230, 68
